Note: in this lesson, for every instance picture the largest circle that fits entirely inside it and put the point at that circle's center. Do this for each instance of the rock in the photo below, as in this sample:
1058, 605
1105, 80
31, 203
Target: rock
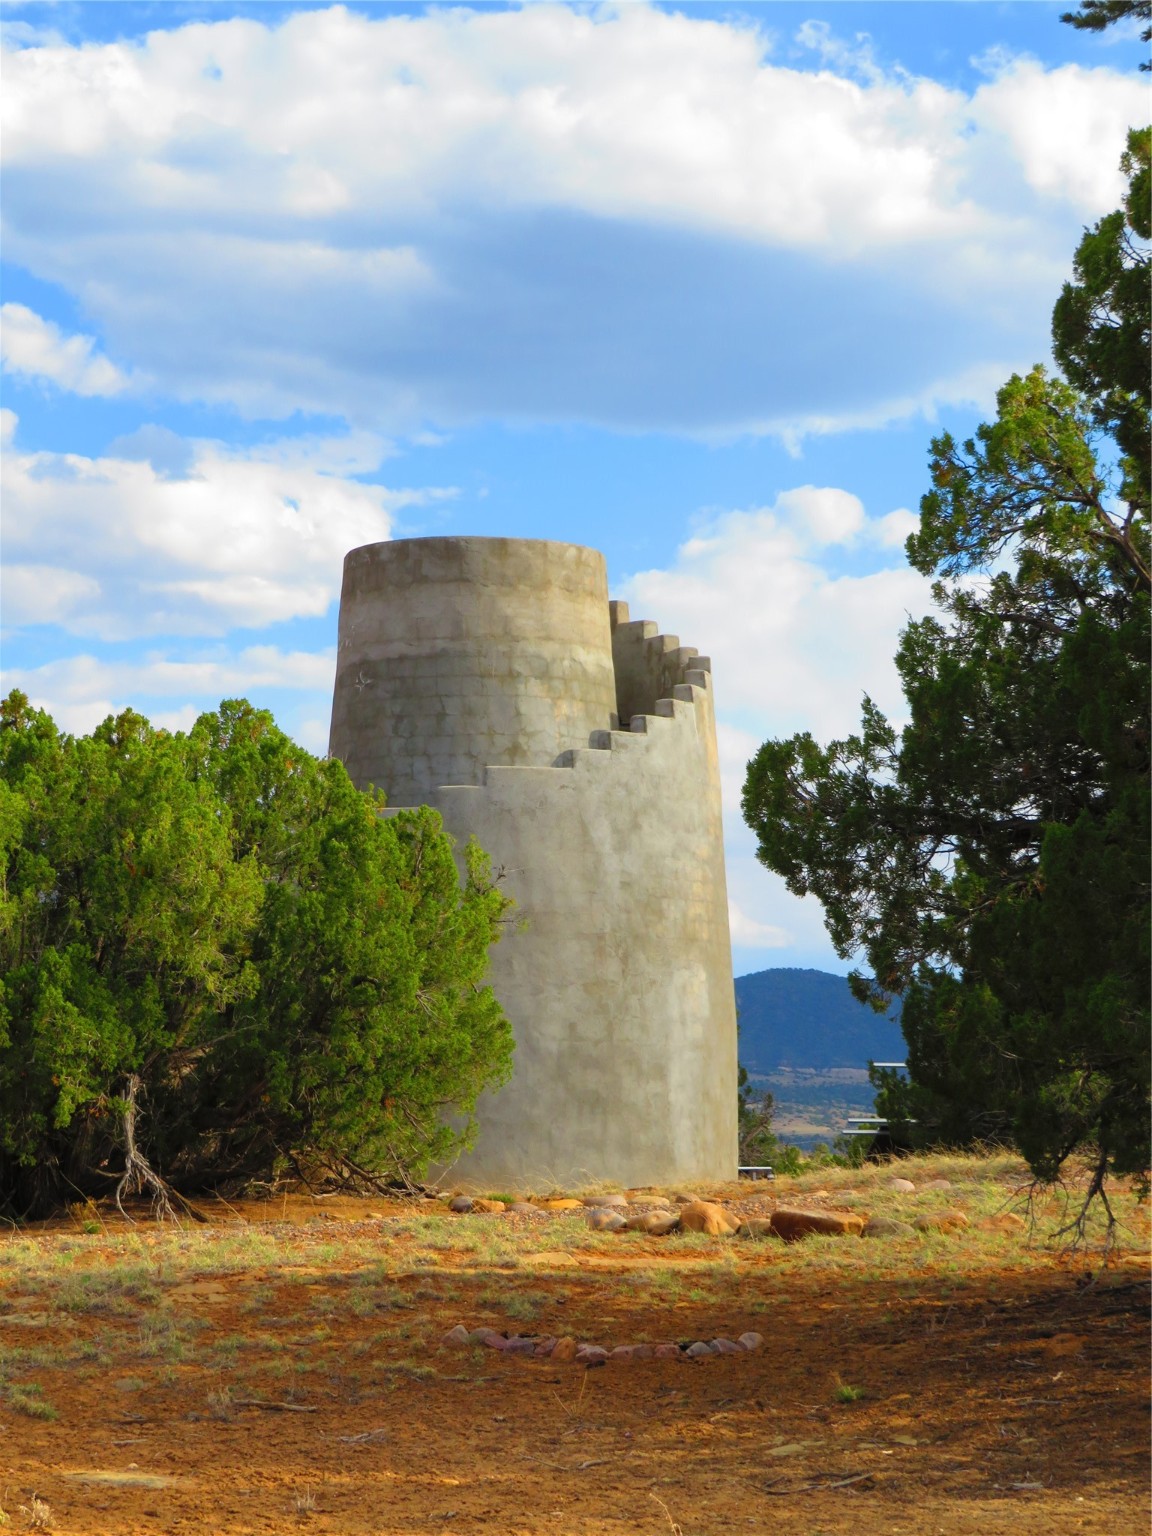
623, 1352
590, 1354
494, 1340
544, 1348
520, 1347
564, 1350
792, 1225
698, 1350
941, 1221
757, 1227
600, 1202
887, 1226
460, 1204
902, 1186
653, 1223
563, 1204
523, 1208
642, 1351
1003, 1221
726, 1347
489, 1207
751, 1341
644, 1202
680, 1198
935, 1184
666, 1351
606, 1221
456, 1336
707, 1217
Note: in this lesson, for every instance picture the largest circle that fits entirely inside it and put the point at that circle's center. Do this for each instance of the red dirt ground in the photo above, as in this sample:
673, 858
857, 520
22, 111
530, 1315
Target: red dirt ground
1011, 1402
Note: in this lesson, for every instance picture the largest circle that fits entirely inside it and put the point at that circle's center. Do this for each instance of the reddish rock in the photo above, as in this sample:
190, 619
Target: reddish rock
751, 1341
726, 1347
667, 1351
520, 1347
757, 1227
590, 1354
707, 1217
1003, 1221
606, 1221
698, 1350
653, 1223
793, 1225
489, 1207
564, 1350
456, 1336
941, 1221
623, 1352
601, 1202
562, 1204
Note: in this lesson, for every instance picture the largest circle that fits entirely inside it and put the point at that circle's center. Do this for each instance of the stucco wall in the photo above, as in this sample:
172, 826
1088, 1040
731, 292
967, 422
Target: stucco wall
457, 653
619, 982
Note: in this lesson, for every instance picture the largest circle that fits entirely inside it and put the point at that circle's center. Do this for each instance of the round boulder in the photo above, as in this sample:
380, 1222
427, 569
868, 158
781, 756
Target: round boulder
887, 1226
941, 1221
707, 1217
606, 1221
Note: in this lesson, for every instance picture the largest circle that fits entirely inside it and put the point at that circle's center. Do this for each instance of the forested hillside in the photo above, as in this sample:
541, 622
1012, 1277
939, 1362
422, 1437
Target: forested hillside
798, 1018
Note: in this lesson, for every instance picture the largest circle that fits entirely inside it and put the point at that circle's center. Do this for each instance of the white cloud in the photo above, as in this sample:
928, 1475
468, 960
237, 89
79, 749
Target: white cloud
793, 647
80, 691
747, 933
1060, 127
618, 214
37, 349
116, 546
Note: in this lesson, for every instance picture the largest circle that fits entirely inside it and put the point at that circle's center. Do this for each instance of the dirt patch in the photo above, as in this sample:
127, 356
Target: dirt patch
957, 1385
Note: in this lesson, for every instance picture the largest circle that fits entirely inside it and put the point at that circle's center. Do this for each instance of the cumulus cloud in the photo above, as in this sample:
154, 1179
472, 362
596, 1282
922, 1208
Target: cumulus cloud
177, 537
747, 933
37, 349
80, 691
793, 646
624, 215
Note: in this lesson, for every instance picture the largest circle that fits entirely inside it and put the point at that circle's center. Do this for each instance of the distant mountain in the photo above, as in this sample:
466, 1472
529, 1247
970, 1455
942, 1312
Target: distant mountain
794, 1018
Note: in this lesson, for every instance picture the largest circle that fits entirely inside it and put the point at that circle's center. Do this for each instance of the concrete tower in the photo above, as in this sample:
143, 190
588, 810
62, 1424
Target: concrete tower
493, 680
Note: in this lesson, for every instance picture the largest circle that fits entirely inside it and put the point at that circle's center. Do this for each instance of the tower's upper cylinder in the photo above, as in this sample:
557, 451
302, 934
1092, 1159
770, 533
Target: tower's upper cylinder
458, 653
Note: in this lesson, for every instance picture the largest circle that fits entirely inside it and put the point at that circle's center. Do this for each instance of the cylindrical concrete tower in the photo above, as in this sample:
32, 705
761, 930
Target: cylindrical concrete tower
493, 680
460, 654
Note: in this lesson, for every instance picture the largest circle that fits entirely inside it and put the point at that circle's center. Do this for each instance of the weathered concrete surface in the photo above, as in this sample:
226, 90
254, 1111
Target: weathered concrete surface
619, 985
459, 653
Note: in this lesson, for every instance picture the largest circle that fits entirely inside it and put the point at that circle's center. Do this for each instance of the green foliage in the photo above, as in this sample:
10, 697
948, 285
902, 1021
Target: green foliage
990, 861
1100, 326
757, 1142
1096, 15
291, 974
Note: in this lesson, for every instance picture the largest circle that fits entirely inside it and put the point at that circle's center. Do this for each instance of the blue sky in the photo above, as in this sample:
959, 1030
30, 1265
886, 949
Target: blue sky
692, 284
